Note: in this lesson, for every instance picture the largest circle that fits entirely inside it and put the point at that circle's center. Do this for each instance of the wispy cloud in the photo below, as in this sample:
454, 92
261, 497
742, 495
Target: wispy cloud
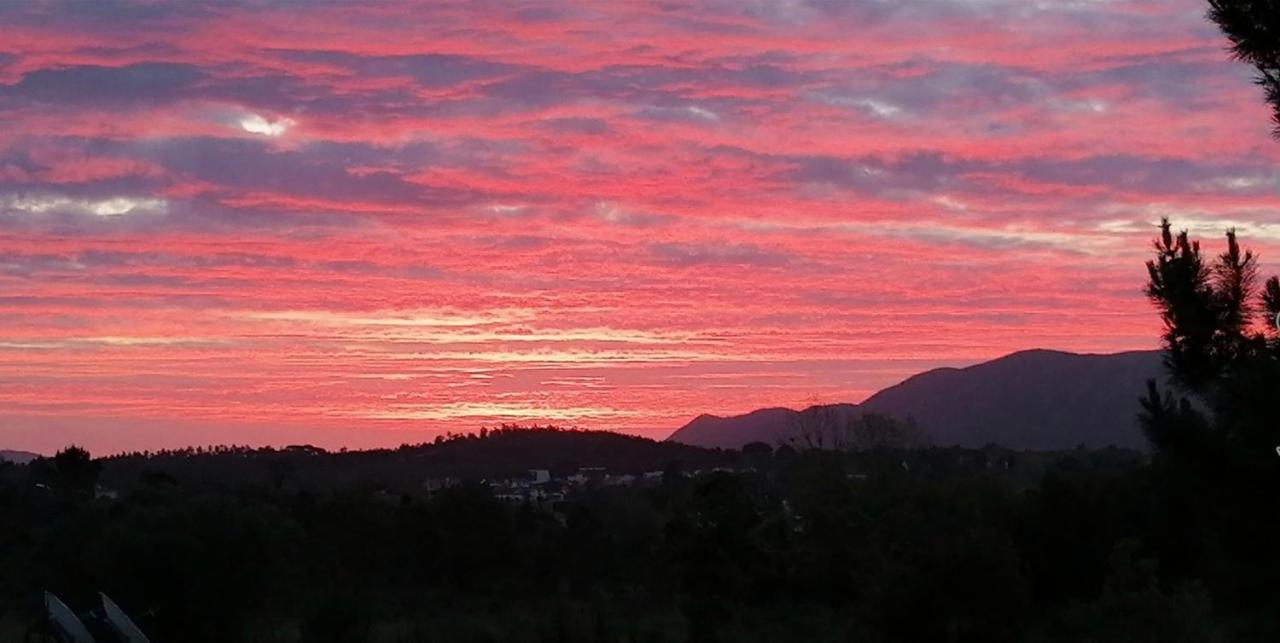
424, 216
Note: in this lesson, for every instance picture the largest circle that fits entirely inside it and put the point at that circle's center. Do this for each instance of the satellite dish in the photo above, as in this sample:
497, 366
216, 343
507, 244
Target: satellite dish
120, 622
66, 625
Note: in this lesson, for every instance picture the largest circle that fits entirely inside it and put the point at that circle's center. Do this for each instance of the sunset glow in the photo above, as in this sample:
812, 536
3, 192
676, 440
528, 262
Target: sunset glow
371, 223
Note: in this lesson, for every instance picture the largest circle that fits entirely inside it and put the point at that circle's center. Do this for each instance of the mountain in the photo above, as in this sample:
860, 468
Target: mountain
762, 425
17, 457
1036, 399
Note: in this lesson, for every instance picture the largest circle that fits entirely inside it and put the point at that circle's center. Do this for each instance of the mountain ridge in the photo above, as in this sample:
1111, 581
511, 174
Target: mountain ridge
1029, 399
18, 457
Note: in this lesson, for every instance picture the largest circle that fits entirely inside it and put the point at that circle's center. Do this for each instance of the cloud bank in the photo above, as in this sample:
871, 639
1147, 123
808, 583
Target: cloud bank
374, 221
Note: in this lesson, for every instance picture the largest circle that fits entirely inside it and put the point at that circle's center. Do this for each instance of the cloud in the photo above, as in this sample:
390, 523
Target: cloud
688, 254
140, 83
255, 124
435, 204
59, 204
493, 411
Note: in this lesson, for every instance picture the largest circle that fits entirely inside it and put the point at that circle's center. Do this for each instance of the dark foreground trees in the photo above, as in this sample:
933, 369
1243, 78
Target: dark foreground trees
1253, 26
926, 544
1217, 431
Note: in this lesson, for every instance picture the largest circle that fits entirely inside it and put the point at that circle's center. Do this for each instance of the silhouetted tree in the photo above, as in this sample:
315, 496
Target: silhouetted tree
1220, 339
1134, 608
1253, 26
817, 427
75, 470
830, 427
1216, 439
876, 432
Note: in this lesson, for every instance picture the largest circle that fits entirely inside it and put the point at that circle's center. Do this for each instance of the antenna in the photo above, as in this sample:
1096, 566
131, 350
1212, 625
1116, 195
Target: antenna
120, 622
66, 625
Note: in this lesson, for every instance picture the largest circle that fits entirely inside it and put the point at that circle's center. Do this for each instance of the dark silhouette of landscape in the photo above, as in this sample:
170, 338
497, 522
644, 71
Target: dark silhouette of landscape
1041, 497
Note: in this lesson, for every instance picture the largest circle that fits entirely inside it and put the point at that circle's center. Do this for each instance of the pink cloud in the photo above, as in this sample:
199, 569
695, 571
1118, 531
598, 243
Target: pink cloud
616, 215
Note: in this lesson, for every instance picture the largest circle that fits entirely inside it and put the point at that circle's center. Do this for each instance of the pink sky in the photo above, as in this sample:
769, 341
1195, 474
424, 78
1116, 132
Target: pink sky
368, 223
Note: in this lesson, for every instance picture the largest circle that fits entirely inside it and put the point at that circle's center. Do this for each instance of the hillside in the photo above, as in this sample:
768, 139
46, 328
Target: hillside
762, 425
1035, 399
17, 457
494, 454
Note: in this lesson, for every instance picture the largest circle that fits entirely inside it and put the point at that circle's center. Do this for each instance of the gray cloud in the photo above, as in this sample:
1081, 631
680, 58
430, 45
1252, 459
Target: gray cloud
691, 254
138, 83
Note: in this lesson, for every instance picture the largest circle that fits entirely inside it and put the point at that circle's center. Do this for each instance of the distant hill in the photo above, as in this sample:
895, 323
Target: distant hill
762, 425
17, 457
1035, 399
499, 453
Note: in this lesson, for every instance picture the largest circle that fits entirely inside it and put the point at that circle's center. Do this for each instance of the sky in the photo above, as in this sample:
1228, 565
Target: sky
363, 224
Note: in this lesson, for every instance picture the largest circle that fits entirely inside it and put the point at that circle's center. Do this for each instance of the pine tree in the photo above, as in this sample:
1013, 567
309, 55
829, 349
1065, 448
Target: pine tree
1220, 339
1216, 434
1253, 26
76, 471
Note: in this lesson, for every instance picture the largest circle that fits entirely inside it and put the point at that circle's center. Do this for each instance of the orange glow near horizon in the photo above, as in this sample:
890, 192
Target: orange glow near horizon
367, 225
